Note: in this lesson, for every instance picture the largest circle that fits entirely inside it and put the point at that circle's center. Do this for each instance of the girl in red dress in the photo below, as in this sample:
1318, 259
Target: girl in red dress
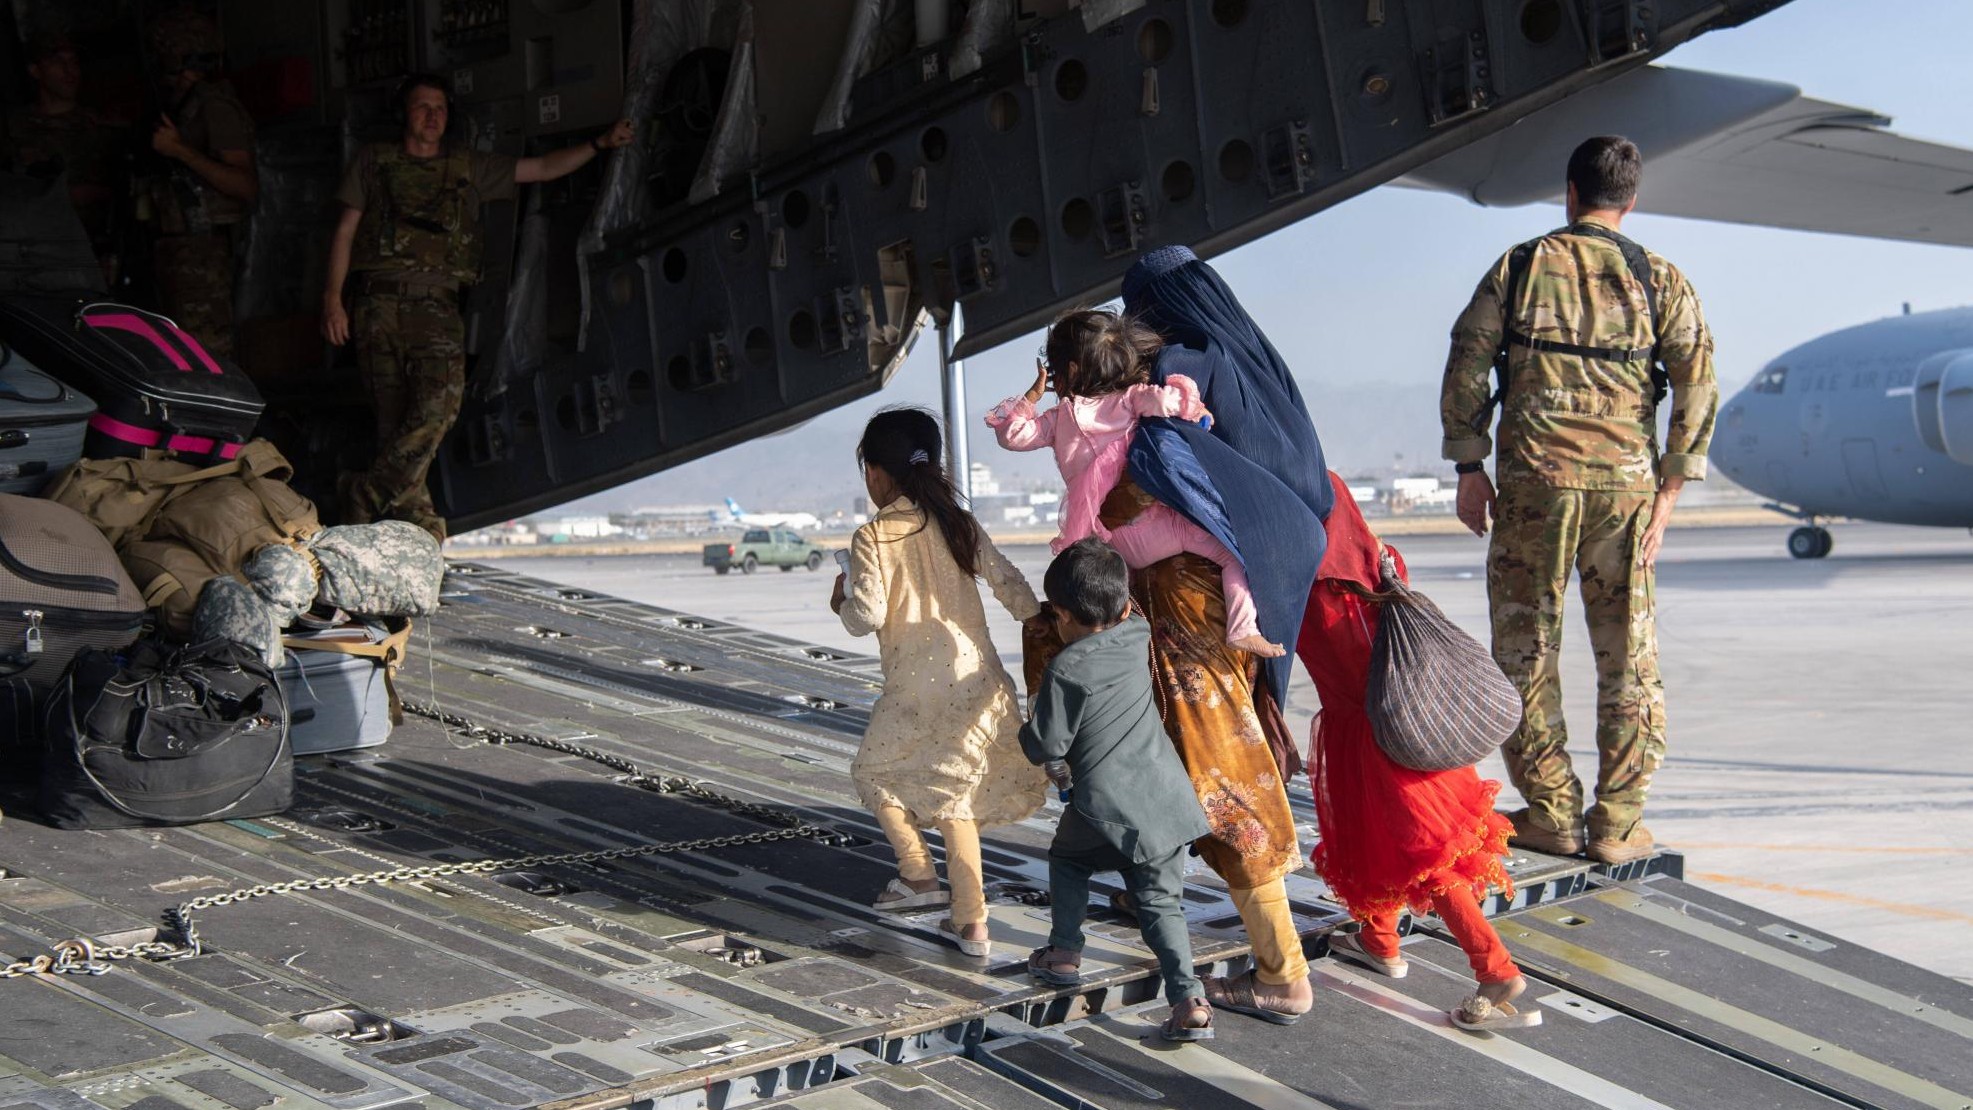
1393, 837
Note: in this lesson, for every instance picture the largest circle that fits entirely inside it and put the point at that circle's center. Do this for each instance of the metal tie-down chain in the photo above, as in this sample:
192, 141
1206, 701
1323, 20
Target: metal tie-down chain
81, 956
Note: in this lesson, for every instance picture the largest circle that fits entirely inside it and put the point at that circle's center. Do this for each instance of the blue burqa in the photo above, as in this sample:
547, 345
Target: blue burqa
1256, 480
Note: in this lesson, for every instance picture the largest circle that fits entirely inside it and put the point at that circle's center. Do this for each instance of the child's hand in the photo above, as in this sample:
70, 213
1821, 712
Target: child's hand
836, 595
1040, 386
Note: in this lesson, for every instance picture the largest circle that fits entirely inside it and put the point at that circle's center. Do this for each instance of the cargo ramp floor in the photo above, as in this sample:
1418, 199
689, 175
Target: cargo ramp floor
750, 969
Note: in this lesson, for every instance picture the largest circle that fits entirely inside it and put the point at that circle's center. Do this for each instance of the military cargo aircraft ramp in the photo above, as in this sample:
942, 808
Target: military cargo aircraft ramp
633, 872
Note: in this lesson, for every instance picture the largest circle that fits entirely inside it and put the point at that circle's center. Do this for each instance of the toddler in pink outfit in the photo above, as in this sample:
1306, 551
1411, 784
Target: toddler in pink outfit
1105, 389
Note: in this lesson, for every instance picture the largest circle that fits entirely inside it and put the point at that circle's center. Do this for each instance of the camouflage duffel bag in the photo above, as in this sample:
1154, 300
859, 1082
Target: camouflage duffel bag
387, 569
1437, 700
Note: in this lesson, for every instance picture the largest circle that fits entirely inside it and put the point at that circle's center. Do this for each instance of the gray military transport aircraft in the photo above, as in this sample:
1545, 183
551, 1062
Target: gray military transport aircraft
1873, 422
614, 857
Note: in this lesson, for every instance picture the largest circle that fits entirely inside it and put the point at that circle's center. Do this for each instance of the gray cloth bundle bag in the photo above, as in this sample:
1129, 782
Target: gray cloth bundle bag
1437, 700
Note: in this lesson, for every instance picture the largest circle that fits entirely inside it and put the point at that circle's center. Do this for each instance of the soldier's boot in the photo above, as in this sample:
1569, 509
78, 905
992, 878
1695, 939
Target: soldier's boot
1531, 834
1610, 848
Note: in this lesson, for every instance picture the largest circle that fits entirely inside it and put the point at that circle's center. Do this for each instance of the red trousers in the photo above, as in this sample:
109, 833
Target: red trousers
1468, 925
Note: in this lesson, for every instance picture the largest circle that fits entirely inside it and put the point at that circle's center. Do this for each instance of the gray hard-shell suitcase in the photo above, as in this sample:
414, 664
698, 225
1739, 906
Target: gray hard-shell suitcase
42, 423
43, 245
62, 589
336, 701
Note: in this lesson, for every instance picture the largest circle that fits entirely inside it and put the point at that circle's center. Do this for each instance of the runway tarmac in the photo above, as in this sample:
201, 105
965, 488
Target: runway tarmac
1820, 764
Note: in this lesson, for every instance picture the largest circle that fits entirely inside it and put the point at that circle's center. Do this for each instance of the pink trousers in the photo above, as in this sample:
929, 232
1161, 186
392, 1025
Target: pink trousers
1160, 532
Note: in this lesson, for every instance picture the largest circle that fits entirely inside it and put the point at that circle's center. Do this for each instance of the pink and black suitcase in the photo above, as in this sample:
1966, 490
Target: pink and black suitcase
155, 386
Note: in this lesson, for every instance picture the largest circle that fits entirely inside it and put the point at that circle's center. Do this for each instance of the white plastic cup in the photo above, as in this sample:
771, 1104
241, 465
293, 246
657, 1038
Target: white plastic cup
842, 561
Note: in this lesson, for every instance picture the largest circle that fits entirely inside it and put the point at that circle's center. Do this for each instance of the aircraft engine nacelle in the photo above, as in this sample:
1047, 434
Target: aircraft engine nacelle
1942, 403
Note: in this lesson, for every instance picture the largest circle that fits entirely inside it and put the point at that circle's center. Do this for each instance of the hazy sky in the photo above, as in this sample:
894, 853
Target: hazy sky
1359, 298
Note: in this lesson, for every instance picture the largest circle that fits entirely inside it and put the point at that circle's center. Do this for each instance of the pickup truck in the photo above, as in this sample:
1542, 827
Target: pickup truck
760, 547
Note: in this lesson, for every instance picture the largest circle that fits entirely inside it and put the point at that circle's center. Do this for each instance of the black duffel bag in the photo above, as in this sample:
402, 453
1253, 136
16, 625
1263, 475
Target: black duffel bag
1437, 700
157, 736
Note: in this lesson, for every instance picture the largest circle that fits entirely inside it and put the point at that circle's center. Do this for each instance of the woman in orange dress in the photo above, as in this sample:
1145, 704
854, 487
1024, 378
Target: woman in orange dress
1393, 838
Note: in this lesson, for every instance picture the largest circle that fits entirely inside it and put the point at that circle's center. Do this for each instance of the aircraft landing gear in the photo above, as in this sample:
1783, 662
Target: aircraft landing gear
1811, 541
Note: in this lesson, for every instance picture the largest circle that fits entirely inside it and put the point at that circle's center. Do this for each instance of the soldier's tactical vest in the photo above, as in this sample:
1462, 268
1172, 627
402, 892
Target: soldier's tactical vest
185, 203
426, 216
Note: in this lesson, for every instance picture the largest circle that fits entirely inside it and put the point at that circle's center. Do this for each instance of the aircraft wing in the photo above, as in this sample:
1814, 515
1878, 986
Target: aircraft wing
1734, 149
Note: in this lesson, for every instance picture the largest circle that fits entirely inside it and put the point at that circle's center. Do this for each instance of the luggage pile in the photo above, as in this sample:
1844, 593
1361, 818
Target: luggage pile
176, 625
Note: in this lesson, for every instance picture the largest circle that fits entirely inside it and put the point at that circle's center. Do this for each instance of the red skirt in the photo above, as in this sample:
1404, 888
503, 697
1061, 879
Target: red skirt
1391, 837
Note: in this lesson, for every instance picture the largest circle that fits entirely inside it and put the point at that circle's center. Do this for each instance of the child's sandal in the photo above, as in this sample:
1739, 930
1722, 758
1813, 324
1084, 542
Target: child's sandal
1043, 962
978, 949
1190, 1020
1478, 1014
899, 896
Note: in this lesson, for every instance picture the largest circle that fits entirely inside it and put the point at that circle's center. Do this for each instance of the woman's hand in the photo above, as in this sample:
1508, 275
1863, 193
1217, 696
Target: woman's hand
836, 595
1040, 386
1042, 623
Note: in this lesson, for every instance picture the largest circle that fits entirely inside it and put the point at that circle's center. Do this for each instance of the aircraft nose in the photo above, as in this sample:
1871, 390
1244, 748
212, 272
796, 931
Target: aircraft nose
1735, 438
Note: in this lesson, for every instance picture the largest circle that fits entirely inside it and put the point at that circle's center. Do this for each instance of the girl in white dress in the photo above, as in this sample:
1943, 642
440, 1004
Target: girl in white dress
943, 745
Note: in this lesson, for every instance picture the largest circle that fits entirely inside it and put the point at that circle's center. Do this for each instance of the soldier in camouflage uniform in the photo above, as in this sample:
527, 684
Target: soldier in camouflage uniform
201, 202
1583, 486
56, 132
410, 233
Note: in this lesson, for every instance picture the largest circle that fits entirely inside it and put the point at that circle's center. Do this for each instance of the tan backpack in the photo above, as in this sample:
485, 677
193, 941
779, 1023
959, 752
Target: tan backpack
177, 526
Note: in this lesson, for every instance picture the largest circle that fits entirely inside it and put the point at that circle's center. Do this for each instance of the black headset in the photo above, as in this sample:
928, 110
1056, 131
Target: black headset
420, 81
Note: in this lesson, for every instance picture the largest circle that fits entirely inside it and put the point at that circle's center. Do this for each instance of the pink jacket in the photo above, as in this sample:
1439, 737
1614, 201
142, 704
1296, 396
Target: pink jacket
1091, 440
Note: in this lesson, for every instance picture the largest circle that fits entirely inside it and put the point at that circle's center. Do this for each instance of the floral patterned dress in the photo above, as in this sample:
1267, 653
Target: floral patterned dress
1222, 721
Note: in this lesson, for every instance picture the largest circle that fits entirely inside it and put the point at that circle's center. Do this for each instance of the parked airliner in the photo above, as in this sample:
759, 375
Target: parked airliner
736, 515
1873, 422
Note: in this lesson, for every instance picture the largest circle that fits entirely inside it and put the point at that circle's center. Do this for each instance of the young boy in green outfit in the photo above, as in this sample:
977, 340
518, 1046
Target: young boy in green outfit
1131, 807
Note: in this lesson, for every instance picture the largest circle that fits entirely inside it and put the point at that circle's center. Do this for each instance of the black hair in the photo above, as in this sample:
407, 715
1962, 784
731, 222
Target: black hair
905, 443
45, 44
1605, 171
1089, 582
1094, 351
417, 81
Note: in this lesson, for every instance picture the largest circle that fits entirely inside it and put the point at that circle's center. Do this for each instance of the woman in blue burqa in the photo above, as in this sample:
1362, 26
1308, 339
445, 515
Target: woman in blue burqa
1257, 482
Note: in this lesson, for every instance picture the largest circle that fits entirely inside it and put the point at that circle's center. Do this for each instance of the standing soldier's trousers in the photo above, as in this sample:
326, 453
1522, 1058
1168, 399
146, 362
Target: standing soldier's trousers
195, 286
411, 347
1539, 535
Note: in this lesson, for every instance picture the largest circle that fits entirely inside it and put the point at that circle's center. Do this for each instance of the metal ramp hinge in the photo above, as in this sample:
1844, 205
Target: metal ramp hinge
596, 404
487, 438
841, 322
1288, 158
1121, 215
973, 268
1458, 76
709, 367
830, 203
1618, 28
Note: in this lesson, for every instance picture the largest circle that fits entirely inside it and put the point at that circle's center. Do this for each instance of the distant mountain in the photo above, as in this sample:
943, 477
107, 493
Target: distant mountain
1366, 427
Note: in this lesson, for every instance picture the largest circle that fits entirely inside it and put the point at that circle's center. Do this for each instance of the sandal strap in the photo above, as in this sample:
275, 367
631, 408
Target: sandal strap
1476, 1008
1238, 990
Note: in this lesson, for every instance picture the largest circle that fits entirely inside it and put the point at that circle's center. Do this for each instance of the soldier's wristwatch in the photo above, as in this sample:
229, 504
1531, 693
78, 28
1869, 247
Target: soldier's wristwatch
1468, 467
